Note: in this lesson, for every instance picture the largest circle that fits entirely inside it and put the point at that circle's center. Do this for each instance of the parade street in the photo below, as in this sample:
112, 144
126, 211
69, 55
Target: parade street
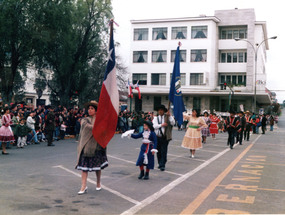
247, 179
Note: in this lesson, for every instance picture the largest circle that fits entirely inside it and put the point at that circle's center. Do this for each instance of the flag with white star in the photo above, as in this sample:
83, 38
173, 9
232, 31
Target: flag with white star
108, 108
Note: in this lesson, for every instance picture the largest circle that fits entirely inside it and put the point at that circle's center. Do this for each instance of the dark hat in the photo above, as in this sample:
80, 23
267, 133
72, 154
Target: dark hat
241, 112
149, 124
161, 107
91, 103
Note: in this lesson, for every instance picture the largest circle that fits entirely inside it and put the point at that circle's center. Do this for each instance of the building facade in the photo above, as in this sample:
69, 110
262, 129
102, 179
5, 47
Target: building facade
210, 58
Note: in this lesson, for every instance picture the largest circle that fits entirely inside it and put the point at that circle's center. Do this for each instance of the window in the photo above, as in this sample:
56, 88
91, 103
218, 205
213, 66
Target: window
196, 78
229, 33
232, 57
199, 55
233, 79
159, 56
182, 78
159, 33
140, 57
141, 34
158, 79
223, 58
179, 33
141, 77
182, 55
199, 32
29, 100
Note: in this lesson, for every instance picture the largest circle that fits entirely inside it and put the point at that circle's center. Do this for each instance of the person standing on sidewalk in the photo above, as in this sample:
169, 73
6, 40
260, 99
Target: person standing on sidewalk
50, 125
31, 124
263, 123
6, 134
163, 124
271, 122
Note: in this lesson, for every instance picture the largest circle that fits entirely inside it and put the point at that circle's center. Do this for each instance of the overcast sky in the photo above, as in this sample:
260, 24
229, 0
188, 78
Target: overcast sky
269, 11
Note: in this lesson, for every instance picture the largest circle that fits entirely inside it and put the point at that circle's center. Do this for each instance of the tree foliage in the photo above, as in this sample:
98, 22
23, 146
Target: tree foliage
67, 37
16, 46
75, 38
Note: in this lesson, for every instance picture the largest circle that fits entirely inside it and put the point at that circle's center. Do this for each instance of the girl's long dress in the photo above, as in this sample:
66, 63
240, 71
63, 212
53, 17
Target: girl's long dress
192, 138
206, 131
214, 125
6, 133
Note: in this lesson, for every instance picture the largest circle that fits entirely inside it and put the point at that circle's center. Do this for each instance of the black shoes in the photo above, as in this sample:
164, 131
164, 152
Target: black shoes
146, 177
141, 174
51, 144
5, 153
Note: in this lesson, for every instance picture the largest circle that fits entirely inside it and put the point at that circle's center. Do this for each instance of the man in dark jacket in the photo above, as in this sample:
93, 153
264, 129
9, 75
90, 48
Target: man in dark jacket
263, 123
50, 125
241, 127
232, 123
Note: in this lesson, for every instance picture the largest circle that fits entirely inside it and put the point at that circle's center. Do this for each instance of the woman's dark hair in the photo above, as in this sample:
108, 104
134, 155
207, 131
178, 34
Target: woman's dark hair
95, 107
196, 110
5, 109
206, 113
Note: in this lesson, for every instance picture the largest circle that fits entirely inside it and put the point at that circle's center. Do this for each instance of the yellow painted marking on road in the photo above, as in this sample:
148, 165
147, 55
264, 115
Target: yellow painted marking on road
252, 172
245, 178
273, 164
192, 207
248, 188
240, 187
224, 211
225, 198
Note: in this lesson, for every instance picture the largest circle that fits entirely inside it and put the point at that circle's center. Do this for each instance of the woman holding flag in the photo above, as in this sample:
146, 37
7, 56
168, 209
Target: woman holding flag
90, 155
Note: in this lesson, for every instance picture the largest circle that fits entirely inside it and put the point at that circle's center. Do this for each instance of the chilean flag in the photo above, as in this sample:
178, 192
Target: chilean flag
137, 87
108, 108
130, 90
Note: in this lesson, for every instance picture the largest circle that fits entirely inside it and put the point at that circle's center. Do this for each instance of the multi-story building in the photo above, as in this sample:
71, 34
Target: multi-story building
210, 56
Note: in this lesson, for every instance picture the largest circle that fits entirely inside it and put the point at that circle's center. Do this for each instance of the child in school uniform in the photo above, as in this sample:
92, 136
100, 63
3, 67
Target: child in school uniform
148, 149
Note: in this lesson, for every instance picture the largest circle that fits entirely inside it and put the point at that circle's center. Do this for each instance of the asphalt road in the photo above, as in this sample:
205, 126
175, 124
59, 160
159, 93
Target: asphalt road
248, 179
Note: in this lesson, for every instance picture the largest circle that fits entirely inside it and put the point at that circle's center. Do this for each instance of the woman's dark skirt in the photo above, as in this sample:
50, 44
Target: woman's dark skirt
89, 164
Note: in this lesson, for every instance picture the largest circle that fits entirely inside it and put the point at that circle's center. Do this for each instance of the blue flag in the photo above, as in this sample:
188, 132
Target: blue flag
175, 93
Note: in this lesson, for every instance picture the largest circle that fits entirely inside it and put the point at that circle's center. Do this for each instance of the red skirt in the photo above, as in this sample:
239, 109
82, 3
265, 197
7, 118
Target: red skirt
214, 128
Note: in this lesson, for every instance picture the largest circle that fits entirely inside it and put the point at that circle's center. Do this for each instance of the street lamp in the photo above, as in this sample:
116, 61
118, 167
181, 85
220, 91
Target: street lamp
255, 61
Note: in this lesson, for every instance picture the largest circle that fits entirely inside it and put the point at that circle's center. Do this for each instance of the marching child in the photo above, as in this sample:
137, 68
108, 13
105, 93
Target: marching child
148, 149
22, 131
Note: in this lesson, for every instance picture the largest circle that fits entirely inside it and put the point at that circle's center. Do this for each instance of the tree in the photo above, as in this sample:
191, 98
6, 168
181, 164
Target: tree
15, 46
71, 36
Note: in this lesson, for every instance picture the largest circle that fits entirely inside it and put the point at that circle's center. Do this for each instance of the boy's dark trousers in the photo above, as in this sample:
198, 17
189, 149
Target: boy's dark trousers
162, 147
246, 132
240, 136
231, 138
49, 136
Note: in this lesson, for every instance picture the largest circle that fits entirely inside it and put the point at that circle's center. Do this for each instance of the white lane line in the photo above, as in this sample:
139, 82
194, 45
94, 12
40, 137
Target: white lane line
171, 185
185, 157
209, 151
217, 145
127, 161
104, 187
